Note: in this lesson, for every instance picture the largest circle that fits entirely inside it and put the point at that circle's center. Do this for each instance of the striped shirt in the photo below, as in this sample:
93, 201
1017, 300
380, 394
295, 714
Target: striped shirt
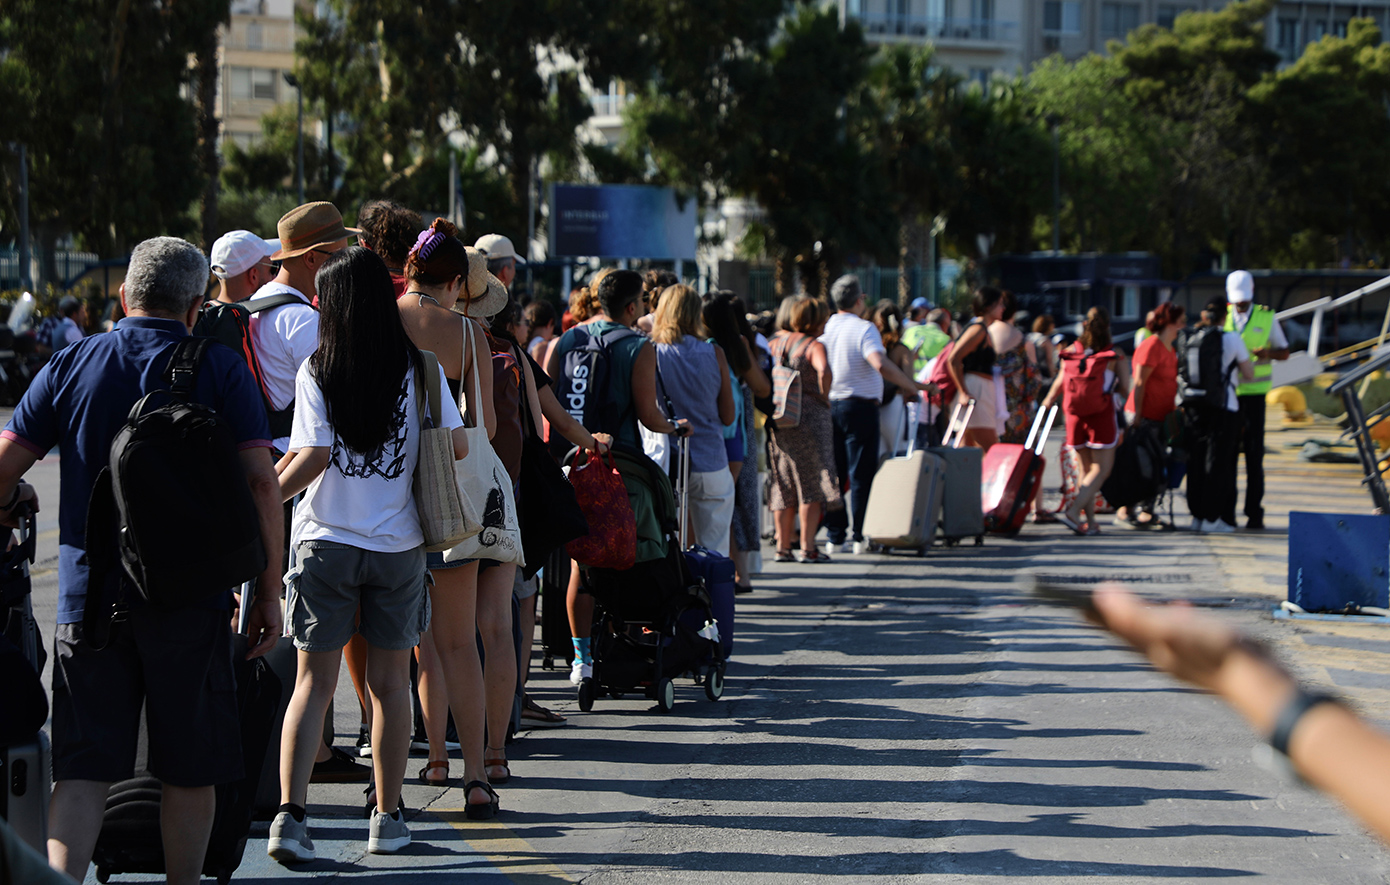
848, 342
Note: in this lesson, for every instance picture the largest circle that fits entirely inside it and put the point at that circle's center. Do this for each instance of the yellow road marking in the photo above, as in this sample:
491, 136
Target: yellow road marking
510, 854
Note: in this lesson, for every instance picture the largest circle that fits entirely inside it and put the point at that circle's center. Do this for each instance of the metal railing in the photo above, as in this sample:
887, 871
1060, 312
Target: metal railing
260, 35
933, 28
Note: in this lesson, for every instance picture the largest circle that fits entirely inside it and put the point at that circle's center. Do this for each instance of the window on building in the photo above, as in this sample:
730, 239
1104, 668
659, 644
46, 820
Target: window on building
1168, 13
1062, 16
1318, 29
1126, 302
240, 84
255, 35
1288, 34
1118, 19
264, 84
981, 11
981, 76
1339, 29
1078, 300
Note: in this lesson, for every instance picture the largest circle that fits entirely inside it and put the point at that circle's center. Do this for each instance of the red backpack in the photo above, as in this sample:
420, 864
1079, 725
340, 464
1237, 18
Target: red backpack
1083, 381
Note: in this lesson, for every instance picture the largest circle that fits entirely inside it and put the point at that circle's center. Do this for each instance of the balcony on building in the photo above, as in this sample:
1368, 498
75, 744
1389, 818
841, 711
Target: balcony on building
931, 20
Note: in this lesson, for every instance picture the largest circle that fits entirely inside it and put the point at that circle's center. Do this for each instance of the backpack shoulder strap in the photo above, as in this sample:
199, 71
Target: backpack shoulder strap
430, 370
270, 302
182, 371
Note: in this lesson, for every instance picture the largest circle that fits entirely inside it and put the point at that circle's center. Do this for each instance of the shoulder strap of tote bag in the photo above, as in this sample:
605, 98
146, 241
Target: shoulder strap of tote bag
427, 391
469, 356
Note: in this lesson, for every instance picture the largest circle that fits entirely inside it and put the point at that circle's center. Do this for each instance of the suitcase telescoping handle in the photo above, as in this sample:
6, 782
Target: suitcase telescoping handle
958, 424
683, 483
1033, 434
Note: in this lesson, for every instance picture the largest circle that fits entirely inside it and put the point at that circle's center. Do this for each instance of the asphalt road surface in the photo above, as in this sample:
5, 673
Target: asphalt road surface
886, 719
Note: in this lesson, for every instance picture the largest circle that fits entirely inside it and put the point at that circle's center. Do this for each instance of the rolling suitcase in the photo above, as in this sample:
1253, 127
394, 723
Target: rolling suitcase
1012, 477
905, 501
131, 840
961, 514
556, 641
712, 567
26, 764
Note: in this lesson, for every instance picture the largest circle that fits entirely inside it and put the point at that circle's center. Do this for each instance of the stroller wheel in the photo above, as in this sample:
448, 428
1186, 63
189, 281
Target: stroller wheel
586, 695
665, 695
714, 682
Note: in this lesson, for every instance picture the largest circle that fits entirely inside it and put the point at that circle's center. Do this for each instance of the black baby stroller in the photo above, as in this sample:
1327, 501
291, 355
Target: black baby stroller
652, 622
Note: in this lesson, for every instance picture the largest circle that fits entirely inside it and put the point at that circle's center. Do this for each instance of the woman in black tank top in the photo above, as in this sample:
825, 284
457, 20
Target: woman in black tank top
972, 368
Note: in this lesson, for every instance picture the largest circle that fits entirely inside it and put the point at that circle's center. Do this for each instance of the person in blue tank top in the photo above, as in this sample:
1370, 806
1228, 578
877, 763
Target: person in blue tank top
693, 383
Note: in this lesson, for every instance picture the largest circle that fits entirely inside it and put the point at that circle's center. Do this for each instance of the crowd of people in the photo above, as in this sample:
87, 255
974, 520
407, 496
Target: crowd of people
345, 330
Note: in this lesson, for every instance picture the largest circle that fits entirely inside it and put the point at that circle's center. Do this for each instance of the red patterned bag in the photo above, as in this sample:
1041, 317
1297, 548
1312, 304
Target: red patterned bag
602, 495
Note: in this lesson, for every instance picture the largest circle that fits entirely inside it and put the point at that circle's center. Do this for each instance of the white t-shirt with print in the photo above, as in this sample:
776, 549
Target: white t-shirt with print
366, 502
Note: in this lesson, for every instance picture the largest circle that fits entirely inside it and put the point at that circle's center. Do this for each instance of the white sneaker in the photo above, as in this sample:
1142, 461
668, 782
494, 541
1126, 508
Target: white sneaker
388, 833
1196, 525
579, 671
860, 548
289, 840
1218, 526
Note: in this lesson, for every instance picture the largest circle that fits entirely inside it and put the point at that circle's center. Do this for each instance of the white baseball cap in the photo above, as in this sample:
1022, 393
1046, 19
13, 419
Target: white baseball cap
238, 251
1240, 287
496, 246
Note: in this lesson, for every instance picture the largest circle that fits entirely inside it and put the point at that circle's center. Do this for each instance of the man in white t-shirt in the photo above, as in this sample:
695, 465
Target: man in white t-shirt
858, 368
285, 336
1211, 470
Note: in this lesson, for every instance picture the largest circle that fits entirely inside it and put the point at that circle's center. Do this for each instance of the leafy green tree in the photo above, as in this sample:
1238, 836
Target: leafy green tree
112, 141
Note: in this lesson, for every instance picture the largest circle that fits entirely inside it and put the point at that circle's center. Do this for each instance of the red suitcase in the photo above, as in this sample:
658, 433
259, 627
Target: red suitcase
1011, 476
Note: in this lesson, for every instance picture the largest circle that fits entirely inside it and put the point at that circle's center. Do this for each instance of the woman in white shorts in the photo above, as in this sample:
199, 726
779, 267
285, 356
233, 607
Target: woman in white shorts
972, 368
357, 537
693, 381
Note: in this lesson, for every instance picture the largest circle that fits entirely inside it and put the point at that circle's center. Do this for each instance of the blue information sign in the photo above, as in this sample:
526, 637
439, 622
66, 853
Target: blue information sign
621, 221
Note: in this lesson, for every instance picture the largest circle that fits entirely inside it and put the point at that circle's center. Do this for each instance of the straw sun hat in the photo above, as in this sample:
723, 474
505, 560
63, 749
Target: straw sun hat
482, 295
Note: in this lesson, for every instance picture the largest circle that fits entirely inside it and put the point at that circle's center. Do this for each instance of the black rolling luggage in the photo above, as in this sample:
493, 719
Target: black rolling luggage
25, 757
130, 840
556, 637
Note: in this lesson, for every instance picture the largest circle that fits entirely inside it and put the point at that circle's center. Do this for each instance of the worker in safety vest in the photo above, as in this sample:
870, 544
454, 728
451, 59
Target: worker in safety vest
1265, 340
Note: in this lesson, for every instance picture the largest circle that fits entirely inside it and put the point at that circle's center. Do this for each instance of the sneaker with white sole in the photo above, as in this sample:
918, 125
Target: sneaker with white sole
579, 671
1218, 526
289, 840
860, 548
389, 833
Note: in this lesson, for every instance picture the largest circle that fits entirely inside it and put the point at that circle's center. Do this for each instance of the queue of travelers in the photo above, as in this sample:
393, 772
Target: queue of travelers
347, 330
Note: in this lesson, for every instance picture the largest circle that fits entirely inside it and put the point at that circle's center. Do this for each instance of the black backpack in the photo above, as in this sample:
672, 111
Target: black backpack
1214, 378
231, 325
172, 468
584, 385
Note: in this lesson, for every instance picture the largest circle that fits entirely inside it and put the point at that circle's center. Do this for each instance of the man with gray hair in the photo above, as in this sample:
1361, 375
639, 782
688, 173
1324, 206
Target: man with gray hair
858, 368
175, 663
501, 257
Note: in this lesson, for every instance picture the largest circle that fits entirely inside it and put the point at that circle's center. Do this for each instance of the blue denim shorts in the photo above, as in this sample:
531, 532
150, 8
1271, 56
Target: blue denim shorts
435, 562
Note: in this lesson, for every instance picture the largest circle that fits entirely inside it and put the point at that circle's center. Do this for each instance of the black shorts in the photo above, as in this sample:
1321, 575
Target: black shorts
178, 665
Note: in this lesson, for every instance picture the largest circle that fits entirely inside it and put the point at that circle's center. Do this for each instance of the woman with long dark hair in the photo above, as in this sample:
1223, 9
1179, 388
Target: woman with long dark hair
971, 366
357, 537
1092, 432
727, 324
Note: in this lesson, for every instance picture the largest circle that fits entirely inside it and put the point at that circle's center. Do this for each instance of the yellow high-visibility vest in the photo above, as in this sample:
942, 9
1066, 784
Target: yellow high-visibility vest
1258, 330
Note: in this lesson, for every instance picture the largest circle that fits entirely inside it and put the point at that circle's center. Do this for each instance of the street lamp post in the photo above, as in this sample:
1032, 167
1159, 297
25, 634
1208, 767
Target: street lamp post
1053, 120
299, 149
26, 281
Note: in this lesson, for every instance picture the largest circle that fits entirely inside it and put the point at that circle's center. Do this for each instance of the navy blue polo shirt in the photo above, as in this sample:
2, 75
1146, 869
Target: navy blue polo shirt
83, 397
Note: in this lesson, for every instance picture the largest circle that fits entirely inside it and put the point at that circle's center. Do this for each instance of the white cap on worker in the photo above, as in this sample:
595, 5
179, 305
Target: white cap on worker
238, 251
496, 246
1240, 287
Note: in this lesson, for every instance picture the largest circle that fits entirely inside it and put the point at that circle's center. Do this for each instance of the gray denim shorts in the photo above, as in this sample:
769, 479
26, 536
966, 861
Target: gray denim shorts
331, 581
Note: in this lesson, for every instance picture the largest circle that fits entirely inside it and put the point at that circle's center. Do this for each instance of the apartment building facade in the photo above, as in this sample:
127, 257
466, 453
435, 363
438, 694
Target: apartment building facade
982, 37
257, 50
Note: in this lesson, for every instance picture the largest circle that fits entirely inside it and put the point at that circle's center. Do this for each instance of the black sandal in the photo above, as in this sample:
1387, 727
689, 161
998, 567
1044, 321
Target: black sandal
480, 811
433, 764
370, 805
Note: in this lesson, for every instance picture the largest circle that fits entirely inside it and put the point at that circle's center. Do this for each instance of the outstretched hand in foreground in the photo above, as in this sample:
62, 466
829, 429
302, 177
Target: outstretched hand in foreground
1330, 747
